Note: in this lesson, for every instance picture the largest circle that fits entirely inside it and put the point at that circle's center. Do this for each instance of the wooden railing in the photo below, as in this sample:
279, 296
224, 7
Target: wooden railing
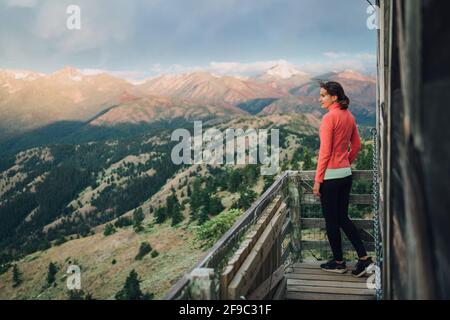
249, 261
304, 182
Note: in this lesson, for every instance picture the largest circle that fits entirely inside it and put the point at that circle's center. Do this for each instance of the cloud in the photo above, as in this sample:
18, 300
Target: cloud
334, 55
225, 68
103, 23
229, 37
129, 75
366, 56
244, 69
21, 3
158, 69
359, 62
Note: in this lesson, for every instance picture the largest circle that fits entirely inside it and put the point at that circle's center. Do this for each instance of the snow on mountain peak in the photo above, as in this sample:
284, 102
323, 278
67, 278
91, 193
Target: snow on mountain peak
22, 74
283, 70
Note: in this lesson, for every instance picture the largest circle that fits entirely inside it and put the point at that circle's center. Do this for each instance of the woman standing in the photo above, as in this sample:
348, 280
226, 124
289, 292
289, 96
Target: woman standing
333, 179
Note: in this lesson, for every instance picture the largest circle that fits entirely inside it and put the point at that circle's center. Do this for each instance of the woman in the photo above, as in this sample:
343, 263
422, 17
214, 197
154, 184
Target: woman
333, 179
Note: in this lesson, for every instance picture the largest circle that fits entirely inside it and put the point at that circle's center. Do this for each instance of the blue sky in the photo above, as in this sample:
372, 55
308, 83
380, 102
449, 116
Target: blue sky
138, 38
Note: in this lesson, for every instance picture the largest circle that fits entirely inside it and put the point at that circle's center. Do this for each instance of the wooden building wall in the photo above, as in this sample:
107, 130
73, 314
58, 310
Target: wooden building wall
414, 135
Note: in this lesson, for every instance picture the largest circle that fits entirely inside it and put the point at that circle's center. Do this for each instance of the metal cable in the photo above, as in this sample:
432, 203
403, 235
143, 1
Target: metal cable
376, 219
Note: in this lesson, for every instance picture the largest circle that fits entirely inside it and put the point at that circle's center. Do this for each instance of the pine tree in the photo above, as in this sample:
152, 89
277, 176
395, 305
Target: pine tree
132, 289
79, 295
196, 196
137, 226
143, 250
52, 270
234, 181
138, 216
215, 205
109, 230
174, 209
17, 276
160, 215
189, 191
247, 196
177, 217
307, 160
202, 215
268, 181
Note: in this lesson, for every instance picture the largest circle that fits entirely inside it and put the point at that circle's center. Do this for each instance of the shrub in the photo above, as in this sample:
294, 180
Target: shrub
211, 231
109, 230
123, 222
143, 250
132, 290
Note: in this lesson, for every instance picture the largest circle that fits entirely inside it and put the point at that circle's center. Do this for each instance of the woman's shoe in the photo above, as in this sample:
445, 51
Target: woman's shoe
333, 266
361, 267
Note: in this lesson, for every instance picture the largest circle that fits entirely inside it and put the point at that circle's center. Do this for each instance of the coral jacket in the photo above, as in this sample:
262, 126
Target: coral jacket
338, 131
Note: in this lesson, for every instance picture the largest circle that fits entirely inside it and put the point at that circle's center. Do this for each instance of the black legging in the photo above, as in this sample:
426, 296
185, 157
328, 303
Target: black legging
335, 194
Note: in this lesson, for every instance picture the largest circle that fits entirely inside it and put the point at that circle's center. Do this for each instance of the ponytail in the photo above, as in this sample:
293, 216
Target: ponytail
344, 103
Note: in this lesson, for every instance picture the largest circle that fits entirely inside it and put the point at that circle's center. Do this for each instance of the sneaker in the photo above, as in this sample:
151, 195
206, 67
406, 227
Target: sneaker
333, 266
361, 267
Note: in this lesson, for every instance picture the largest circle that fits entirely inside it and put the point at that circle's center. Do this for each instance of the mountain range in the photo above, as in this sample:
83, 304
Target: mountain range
31, 102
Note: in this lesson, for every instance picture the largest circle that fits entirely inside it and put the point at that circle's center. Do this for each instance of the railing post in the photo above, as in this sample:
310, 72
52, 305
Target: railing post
202, 284
294, 207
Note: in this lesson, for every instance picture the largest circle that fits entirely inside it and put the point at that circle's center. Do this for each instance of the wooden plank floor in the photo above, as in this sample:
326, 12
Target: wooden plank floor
306, 281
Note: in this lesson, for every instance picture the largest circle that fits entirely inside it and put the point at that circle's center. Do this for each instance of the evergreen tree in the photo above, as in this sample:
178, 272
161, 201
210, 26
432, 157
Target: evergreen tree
79, 295
196, 197
174, 209
138, 216
143, 250
123, 222
177, 217
109, 230
189, 191
132, 289
268, 181
364, 158
247, 196
215, 205
52, 270
160, 215
308, 164
138, 227
202, 215
17, 276
234, 181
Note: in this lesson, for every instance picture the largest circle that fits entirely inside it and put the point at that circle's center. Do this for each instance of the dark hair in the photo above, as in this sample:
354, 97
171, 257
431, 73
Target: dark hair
335, 89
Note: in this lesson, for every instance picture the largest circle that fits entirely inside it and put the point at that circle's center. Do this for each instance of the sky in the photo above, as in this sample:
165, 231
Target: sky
140, 38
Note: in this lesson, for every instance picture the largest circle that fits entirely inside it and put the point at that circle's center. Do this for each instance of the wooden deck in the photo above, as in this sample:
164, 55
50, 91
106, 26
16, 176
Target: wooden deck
251, 256
306, 281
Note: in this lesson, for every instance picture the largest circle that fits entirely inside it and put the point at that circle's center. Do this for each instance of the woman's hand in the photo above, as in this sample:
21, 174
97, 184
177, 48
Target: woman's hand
316, 189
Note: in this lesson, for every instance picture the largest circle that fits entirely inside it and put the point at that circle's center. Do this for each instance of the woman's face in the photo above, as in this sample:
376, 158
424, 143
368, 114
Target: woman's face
325, 99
